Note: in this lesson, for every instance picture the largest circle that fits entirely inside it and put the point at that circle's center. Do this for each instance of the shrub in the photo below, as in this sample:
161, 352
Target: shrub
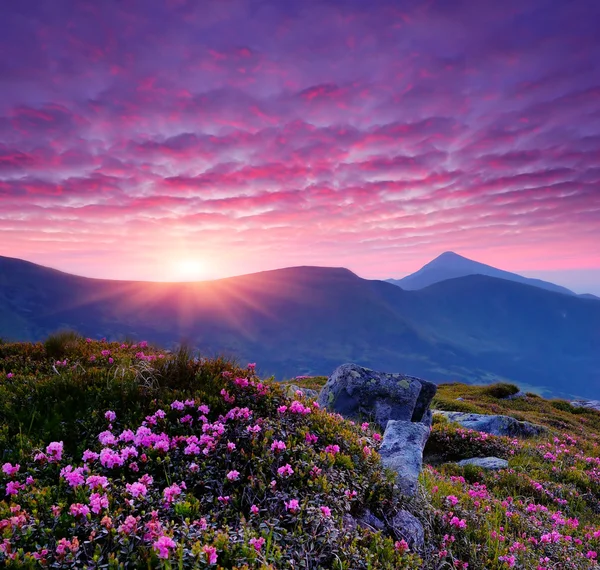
62, 343
500, 390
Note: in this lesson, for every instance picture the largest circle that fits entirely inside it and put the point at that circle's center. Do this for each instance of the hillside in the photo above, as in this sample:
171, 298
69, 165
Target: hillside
306, 320
450, 265
126, 457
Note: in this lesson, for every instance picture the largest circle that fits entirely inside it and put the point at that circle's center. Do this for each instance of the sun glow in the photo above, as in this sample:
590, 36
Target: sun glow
189, 270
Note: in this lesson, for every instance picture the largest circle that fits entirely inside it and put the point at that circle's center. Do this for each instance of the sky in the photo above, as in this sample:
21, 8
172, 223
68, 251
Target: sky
179, 139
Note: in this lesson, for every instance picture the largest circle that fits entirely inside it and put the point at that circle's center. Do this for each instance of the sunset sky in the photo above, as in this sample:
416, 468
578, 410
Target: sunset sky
174, 139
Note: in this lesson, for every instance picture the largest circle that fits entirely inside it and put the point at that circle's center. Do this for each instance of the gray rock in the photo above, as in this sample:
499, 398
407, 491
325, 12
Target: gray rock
589, 404
485, 462
402, 451
494, 425
519, 394
291, 389
349, 522
357, 392
408, 527
370, 521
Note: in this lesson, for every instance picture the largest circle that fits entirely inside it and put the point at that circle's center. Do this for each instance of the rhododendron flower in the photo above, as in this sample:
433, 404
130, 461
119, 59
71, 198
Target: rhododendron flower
401, 546
107, 438
230, 446
285, 471
90, 455
73, 476
169, 493
278, 445
162, 546
211, 553
233, 475
452, 500
326, 511
10, 469
54, 451
13, 487
177, 405
79, 510
129, 525
459, 523
377, 437
98, 502
310, 438
110, 416
254, 509
333, 449
257, 543
136, 489
10, 375
292, 505
224, 499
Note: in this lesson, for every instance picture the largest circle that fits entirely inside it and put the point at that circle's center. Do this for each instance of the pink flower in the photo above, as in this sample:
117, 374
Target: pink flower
233, 475
90, 455
254, 509
257, 543
210, 553
401, 546
73, 476
177, 405
285, 471
162, 546
10, 375
333, 449
54, 451
129, 525
136, 489
377, 437
230, 446
171, 492
10, 469
79, 510
224, 499
292, 505
326, 512
110, 416
278, 445
98, 502
452, 500
459, 523
310, 438
592, 555
12, 487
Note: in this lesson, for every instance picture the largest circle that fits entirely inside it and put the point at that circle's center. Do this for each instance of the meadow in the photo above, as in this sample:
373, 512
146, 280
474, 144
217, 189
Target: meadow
118, 455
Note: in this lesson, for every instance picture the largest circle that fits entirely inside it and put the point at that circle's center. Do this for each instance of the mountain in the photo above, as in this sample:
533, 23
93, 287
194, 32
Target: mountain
450, 265
308, 320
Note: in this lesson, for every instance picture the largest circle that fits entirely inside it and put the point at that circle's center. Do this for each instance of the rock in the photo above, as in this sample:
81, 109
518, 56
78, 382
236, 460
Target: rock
517, 395
402, 451
485, 462
360, 393
408, 527
460, 399
589, 404
291, 389
349, 522
494, 425
370, 521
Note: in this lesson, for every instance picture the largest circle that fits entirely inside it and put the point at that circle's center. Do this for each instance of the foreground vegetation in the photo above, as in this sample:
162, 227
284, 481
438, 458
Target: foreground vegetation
115, 455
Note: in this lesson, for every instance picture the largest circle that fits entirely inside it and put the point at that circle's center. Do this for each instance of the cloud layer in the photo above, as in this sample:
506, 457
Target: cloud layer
139, 136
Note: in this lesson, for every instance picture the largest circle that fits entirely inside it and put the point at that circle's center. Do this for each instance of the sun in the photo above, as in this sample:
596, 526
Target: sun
189, 270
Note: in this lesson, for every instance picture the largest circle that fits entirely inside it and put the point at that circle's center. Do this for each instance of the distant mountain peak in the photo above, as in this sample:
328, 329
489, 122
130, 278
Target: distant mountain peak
451, 265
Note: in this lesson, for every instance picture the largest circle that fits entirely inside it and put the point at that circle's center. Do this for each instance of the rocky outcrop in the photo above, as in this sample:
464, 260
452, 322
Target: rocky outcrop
361, 393
408, 527
492, 463
495, 425
588, 404
291, 391
402, 451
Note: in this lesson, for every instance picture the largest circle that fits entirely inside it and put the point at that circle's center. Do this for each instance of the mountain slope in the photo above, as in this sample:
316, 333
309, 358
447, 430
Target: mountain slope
308, 320
450, 265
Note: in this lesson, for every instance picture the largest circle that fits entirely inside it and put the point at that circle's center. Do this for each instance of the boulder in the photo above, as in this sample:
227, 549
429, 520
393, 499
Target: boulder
402, 451
492, 463
589, 404
517, 395
291, 389
494, 425
408, 527
360, 393
370, 521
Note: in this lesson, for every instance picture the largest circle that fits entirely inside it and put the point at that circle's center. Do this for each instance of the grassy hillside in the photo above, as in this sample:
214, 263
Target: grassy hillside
131, 458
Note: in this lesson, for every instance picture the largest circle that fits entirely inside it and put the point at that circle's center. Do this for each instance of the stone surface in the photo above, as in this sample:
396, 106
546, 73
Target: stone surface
370, 521
291, 389
589, 404
408, 527
485, 462
516, 396
402, 451
349, 522
361, 393
495, 425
